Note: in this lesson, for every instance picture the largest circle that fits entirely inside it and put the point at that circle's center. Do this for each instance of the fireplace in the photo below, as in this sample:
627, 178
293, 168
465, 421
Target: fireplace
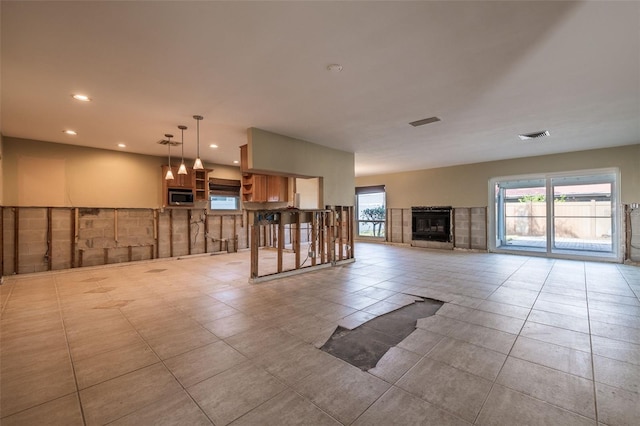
431, 224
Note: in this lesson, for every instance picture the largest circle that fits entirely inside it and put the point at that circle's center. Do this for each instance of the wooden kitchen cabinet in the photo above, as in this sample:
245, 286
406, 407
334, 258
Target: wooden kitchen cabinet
261, 188
194, 180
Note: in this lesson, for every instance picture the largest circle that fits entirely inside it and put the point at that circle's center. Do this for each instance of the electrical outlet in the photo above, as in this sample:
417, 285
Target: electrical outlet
312, 253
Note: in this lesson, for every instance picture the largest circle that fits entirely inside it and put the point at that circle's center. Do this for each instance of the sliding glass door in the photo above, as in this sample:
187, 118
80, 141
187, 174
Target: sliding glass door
583, 215
568, 215
523, 214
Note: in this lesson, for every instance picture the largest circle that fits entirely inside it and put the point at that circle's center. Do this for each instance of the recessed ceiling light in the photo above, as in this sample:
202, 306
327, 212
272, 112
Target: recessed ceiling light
235, 161
121, 145
334, 67
534, 135
83, 98
213, 145
70, 132
424, 121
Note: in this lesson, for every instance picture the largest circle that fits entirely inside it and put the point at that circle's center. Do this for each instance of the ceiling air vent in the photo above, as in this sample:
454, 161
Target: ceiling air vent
424, 121
534, 135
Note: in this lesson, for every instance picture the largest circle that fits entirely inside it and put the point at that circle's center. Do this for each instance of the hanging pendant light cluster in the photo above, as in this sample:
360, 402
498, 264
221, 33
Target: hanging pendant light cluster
197, 165
182, 170
169, 175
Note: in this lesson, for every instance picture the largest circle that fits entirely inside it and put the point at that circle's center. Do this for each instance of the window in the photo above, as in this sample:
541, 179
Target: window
564, 215
224, 194
372, 211
220, 202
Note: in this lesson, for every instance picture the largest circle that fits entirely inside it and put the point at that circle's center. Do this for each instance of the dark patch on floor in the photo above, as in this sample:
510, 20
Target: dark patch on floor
94, 279
365, 345
155, 271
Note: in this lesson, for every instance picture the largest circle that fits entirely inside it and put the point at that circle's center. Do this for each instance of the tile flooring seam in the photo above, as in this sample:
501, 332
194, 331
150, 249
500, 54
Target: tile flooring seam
66, 340
160, 361
593, 368
493, 383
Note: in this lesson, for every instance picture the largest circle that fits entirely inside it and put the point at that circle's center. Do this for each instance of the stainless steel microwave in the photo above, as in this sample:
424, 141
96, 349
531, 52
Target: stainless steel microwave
180, 197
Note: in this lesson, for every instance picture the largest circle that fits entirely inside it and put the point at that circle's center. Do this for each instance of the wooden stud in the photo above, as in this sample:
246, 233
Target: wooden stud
221, 220
235, 233
188, 231
73, 238
80, 253
115, 226
486, 229
453, 224
340, 222
106, 255
170, 233
153, 249
297, 241
49, 238
402, 226
16, 240
156, 238
331, 244
280, 244
206, 232
314, 237
246, 227
388, 229
323, 230
130, 253
254, 250
470, 225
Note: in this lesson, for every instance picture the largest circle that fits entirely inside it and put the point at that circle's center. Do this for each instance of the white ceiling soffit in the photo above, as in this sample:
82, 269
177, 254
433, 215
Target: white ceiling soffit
489, 70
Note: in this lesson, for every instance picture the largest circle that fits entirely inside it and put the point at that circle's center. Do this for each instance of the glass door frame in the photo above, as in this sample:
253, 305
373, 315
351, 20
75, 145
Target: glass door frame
496, 214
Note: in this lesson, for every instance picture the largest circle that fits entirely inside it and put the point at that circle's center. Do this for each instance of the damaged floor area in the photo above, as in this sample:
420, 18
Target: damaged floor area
366, 344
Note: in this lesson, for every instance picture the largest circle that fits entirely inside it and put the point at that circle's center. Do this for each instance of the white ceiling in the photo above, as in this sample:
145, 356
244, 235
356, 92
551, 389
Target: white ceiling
489, 70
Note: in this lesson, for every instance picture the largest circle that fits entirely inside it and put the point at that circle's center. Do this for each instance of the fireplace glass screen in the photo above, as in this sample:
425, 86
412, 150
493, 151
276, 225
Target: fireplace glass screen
431, 223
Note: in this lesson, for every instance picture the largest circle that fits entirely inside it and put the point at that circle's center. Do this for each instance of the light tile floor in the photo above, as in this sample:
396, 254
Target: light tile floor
521, 340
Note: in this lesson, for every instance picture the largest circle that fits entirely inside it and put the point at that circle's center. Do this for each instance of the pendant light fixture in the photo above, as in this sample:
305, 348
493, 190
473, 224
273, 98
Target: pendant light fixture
169, 175
197, 165
182, 170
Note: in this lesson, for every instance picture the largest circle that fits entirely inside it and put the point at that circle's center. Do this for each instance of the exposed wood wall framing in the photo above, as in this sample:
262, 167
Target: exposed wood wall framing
302, 239
49, 254
36, 239
16, 240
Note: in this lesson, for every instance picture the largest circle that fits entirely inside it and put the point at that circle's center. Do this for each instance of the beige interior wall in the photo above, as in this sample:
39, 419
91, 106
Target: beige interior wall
273, 153
223, 172
308, 193
40, 173
467, 185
